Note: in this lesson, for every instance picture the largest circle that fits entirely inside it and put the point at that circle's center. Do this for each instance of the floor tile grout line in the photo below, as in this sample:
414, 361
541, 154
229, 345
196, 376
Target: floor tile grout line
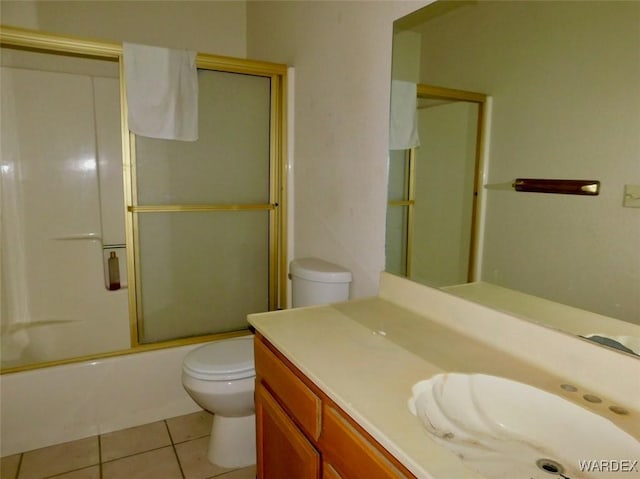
136, 454
191, 438
70, 471
19, 465
166, 425
100, 456
175, 452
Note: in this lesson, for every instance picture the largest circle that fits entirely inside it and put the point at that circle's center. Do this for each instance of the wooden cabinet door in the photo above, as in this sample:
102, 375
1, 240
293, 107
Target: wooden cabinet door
284, 385
328, 472
283, 451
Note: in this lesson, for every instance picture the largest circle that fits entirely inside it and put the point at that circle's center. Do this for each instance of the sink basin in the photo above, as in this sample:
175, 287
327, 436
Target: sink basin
629, 344
506, 429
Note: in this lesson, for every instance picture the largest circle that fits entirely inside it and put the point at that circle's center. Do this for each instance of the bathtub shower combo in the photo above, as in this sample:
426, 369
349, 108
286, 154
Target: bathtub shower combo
192, 229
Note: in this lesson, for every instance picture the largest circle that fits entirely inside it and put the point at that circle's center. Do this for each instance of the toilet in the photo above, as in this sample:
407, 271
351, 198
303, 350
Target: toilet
220, 376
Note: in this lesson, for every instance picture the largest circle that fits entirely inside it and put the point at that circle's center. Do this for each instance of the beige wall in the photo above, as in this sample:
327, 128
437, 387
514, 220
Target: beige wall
207, 26
341, 52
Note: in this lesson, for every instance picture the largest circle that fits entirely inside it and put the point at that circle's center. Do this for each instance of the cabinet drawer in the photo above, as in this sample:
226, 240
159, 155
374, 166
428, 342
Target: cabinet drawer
291, 392
351, 453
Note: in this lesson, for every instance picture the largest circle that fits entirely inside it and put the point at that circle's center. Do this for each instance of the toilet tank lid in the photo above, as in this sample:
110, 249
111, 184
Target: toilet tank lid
315, 269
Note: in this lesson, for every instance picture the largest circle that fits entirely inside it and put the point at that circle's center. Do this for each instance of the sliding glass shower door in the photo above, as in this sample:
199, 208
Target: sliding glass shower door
198, 227
202, 215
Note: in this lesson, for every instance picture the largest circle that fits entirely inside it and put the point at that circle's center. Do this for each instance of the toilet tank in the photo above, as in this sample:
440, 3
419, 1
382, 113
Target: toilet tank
315, 281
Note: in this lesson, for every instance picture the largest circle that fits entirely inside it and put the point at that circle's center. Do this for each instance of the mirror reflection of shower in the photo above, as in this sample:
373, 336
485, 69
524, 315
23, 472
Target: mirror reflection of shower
433, 217
62, 208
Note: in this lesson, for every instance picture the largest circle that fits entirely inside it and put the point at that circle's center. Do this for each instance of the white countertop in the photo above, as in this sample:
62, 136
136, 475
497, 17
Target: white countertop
366, 354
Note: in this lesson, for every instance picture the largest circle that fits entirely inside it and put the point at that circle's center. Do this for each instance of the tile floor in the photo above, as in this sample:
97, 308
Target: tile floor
175, 448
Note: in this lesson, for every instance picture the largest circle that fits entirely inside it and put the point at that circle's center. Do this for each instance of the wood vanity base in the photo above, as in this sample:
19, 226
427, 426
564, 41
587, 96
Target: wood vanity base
302, 434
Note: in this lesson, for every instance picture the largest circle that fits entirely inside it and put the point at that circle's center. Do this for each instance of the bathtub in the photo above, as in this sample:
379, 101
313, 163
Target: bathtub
39, 342
52, 405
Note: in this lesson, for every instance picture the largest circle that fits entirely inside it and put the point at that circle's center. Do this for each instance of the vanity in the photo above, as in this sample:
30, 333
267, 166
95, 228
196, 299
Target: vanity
302, 433
333, 382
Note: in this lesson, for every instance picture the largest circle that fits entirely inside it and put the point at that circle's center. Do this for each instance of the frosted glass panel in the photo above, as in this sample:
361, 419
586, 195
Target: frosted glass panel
230, 161
201, 272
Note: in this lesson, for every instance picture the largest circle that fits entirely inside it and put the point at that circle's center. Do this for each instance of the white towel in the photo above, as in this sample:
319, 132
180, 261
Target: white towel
403, 124
162, 92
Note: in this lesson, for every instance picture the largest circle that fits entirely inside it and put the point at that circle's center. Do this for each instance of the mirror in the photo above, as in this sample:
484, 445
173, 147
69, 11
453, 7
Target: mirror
563, 103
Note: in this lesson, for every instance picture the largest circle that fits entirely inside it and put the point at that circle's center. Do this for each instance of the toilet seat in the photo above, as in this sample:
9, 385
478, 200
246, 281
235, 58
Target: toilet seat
224, 360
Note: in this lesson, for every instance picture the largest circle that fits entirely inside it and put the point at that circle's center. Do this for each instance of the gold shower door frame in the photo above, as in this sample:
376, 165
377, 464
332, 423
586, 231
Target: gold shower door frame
58, 44
276, 300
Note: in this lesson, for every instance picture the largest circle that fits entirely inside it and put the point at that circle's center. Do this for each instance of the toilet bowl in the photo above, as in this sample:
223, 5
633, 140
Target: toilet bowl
220, 377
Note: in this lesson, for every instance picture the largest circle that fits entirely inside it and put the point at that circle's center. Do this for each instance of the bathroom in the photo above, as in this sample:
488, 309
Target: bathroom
338, 136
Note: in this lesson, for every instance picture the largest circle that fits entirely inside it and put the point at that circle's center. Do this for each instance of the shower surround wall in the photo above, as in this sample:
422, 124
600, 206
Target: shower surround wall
62, 201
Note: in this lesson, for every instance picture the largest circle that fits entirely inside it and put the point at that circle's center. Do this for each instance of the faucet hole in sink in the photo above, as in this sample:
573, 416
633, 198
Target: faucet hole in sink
592, 398
619, 410
550, 466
